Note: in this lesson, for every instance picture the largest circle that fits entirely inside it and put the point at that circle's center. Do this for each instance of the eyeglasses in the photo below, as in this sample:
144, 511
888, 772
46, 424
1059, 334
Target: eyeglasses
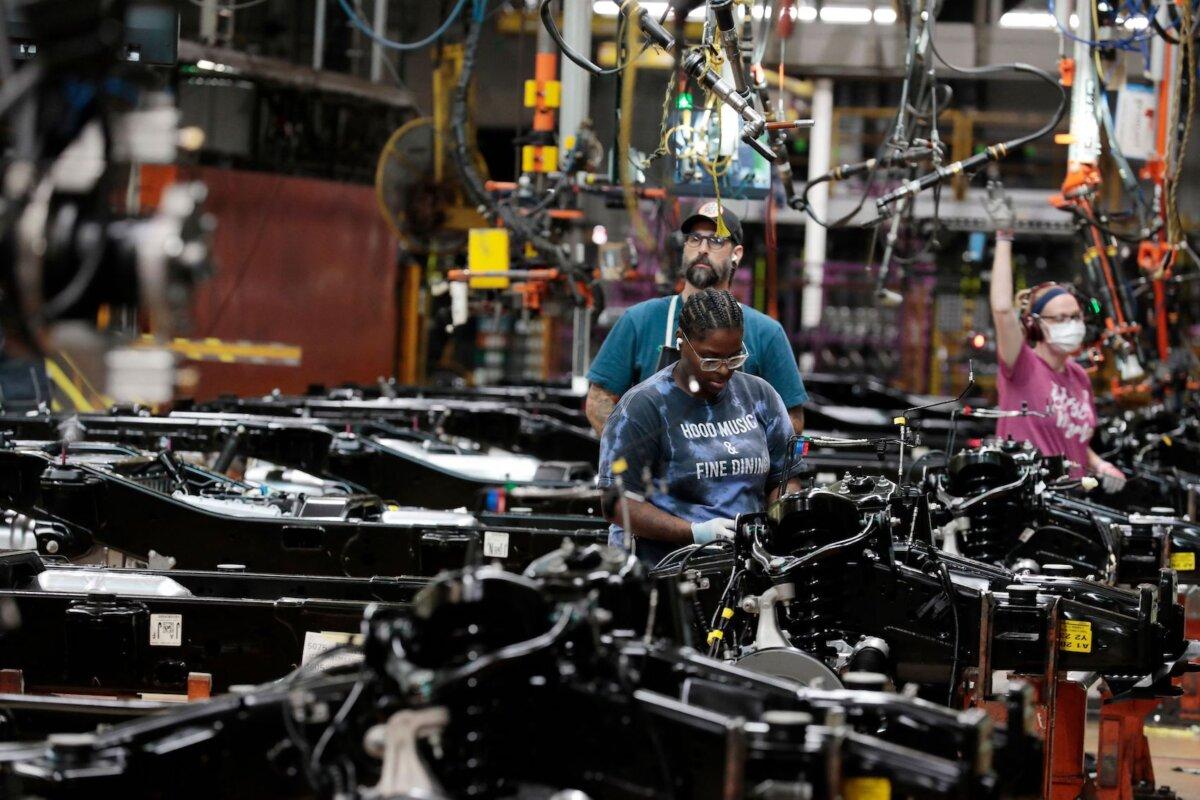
714, 364
1056, 319
714, 242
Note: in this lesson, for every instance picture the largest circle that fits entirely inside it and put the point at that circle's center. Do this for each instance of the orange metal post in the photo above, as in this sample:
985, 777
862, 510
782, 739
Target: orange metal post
199, 686
545, 69
1156, 256
410, 323
12, 681
1123, 754
1063, 719
1189, 702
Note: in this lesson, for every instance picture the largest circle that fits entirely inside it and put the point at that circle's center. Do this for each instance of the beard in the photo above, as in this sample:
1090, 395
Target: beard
717, 274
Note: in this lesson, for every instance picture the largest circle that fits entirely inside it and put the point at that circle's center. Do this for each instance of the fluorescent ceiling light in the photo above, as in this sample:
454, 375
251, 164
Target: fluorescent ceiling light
610, 8
211, 66
850, 15
836, 15
1027, 19
1034, 20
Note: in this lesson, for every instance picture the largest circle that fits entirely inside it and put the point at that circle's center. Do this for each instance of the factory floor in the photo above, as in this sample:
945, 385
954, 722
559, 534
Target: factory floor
1170, 747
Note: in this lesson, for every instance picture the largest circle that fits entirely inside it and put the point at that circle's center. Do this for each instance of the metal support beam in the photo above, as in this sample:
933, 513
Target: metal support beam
377, 52
581, 346
208, 21
576, 83
820, 147
318, 54
1085, 122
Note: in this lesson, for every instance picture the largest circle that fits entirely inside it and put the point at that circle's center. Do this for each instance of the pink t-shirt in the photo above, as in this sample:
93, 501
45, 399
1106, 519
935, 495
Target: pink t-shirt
1065, 396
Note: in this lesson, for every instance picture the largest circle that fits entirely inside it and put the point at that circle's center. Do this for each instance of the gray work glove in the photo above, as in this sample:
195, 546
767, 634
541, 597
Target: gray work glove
719, 528
1112, 480
999, 207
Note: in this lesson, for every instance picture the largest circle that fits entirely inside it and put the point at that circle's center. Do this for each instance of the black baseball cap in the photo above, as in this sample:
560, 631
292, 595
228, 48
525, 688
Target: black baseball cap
707, 212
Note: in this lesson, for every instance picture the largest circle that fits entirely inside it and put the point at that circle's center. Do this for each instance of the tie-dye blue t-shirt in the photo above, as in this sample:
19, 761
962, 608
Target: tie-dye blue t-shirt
703, 459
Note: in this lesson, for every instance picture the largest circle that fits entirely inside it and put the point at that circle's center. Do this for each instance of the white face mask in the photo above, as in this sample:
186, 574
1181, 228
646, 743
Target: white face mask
1065, 336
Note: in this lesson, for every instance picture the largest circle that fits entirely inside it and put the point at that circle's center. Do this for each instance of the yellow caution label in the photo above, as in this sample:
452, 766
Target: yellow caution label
866, 789
487, 251
619, 466
1183, 562
539, 159
551, 94
1075, 636
899, 421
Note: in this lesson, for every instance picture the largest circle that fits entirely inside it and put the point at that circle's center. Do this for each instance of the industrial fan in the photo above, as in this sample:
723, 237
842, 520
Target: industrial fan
422, 207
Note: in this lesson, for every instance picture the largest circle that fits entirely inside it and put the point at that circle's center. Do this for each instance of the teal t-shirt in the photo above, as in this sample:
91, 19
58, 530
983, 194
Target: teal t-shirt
630, 352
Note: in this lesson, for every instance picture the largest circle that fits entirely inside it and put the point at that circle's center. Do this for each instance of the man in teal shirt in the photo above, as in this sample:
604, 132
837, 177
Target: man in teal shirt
643, 340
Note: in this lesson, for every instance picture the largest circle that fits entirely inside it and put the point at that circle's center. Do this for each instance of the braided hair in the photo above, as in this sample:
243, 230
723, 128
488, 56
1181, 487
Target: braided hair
709, 310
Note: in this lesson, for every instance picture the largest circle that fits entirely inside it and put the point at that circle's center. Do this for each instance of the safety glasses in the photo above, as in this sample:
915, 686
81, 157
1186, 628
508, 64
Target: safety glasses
1056, 319
714, 242
714, 364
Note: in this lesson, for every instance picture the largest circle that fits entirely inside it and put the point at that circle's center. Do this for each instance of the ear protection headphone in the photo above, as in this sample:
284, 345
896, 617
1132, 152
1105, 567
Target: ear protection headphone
1030, 308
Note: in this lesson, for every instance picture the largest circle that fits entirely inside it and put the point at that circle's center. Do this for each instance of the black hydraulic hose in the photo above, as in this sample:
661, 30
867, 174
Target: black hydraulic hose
993, 152
823, 552
580, 60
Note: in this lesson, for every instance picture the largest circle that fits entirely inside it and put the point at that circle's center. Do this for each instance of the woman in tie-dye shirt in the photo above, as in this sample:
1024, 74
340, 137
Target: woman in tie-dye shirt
696, 443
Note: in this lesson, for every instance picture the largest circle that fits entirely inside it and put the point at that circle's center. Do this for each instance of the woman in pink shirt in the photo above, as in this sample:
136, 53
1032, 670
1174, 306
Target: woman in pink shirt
1037, 371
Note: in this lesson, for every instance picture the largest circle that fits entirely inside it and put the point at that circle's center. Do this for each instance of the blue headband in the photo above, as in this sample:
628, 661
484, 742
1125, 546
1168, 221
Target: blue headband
1037, 307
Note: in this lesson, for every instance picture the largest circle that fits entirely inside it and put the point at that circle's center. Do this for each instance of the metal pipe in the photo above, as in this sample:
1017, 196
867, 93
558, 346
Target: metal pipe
208, 21
1085, 123
377, 52
576, 83
318, 54
820, 147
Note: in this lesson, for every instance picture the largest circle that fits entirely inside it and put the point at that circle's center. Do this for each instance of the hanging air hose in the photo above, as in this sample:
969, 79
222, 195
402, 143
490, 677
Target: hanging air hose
633, 35
991, 153
1187, 48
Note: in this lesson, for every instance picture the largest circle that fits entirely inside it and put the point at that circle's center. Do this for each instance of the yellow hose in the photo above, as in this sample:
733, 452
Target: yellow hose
625, 135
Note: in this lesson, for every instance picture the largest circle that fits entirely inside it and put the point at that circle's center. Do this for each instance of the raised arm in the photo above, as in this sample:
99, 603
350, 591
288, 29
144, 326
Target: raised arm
1009, 337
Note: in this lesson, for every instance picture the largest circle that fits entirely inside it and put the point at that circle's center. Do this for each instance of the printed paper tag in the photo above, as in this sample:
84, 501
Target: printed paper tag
1183, 562
495, 544
1075, 636
866, 789
166, 630
317, 642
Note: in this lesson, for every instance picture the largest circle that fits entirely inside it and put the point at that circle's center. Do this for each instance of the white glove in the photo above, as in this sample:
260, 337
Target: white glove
1112, 480
1112, 483
999, 207
719, 528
